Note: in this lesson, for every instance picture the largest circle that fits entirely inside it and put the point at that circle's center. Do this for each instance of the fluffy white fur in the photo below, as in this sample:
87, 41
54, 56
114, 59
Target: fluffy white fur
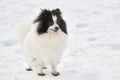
44, 49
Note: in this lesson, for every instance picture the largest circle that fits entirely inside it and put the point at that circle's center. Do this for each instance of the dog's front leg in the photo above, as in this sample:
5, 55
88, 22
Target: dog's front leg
54, 71
40, 71
29, 69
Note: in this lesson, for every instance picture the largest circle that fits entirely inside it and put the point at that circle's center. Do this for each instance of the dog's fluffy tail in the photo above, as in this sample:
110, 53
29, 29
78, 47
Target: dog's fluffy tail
23, 29
26, 25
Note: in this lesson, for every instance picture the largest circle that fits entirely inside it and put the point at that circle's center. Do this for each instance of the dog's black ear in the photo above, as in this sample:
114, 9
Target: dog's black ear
58, 11
42, 16
45, 12
41, 9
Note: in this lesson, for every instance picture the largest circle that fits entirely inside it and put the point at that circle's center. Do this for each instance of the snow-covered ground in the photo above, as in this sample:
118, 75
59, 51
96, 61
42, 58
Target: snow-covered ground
93, 49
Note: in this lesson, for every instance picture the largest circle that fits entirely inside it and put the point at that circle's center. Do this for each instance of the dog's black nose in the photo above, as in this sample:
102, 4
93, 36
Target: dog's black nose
56, 28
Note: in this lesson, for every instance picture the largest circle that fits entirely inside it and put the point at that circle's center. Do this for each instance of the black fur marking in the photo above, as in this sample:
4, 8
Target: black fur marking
56, 74
44, 67
60, 21
41, 74
62, 25
45, 20
29, 69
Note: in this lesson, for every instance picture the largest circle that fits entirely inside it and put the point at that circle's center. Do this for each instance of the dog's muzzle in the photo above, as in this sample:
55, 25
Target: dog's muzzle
55, 29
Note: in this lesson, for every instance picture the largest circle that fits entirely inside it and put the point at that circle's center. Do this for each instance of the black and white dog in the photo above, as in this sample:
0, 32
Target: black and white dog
43, 40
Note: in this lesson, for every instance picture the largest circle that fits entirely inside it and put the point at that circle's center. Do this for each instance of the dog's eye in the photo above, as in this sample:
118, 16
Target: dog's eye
50, 23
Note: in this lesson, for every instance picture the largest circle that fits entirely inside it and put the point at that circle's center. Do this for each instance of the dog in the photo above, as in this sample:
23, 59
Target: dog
43, 40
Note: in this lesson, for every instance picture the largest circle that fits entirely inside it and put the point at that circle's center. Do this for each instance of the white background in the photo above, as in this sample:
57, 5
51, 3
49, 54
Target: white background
93, 48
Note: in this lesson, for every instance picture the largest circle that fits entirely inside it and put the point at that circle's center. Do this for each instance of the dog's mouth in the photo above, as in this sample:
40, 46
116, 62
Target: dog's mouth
54, 30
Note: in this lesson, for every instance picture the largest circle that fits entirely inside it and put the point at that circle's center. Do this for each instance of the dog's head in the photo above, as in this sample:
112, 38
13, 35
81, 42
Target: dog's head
50, 21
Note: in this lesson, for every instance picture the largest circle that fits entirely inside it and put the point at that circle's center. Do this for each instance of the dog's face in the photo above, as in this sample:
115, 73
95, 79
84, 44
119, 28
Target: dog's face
50, 21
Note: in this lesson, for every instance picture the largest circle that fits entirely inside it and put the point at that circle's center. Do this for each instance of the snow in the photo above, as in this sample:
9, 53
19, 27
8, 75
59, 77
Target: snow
93, 48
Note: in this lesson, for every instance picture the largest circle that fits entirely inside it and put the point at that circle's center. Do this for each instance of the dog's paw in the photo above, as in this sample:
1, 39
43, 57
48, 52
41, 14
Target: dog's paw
29, 69
55, 73
44, 67
41, 74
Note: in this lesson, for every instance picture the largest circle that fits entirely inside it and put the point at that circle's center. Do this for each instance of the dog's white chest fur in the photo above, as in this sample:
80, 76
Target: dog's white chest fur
44, 49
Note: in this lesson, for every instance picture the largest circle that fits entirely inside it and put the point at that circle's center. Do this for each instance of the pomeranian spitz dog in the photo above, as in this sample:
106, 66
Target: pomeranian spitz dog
43, 40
